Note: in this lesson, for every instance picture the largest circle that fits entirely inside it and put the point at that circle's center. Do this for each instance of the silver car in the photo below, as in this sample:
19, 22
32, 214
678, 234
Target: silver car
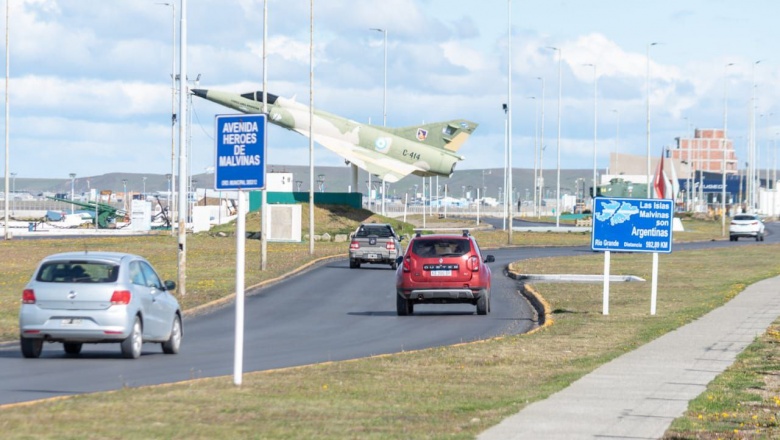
97, 297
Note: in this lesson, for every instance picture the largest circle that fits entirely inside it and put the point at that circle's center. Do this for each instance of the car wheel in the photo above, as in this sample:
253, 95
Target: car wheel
31, 348
131, 346
762, 237
483, 303
72, 347
394, 265
403, 306
758, 237
171, 346
736, 238
354, 264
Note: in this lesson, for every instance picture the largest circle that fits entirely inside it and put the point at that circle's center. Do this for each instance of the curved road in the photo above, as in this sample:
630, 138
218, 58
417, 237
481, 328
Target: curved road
330, 313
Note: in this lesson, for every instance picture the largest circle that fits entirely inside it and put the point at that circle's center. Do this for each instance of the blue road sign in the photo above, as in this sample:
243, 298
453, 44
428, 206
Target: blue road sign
240, 152
632, 225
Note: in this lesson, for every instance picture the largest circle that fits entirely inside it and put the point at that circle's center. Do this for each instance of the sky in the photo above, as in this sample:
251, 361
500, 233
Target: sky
90, 80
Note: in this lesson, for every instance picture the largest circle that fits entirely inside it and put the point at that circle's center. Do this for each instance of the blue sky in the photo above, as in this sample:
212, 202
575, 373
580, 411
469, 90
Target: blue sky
90, 79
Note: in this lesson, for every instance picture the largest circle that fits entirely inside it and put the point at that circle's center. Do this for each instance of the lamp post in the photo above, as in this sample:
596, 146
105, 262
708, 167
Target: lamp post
558, 177
384, 103
72, 187
7, 234
536, 147
723, 162
124, 195
595, 126
13, 192
617, 142
171, 197
751, 172
648, 118
509, 117
540, 181
143, 196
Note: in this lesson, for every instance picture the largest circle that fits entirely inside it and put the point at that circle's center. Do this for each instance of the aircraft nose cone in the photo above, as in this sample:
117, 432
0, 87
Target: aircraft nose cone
200, 92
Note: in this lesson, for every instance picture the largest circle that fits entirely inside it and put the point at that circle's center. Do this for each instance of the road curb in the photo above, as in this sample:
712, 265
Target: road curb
542, 307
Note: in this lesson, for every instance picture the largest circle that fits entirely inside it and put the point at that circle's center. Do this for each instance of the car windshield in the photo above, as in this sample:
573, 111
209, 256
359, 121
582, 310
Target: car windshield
441, 247
745, 217
78, 272
379, 231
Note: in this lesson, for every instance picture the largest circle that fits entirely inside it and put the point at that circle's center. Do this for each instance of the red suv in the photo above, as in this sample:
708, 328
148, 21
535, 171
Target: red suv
441, 269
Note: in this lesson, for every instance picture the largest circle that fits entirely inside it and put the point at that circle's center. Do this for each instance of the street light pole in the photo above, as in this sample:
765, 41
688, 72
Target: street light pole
72, 186
7, 234
617, 142
541, 153
648, 118
723, 162
384, 104
13, 192
595, 126
509, 118
558, 178
171, 197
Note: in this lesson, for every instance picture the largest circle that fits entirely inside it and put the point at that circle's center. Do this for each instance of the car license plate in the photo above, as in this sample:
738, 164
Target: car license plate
70, 322
441, 273
372, 256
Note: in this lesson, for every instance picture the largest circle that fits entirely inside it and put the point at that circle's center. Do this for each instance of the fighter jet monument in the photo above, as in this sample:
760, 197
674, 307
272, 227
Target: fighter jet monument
390, 153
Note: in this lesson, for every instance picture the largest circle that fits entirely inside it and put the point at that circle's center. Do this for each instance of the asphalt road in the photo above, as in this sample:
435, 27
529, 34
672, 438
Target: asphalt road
329, 313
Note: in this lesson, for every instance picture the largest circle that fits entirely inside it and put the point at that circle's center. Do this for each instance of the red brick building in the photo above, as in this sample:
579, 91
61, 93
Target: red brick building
706, 150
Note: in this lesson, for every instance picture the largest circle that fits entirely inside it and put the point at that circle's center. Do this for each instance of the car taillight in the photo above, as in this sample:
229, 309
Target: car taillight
121, 297
354, 245
390, 246
28, 296
473, 263
407, 266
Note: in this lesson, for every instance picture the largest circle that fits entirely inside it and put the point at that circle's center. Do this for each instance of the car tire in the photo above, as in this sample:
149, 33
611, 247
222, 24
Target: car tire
483, 303
31, 348
394, 265
736, 238
72, 347
762, 237
354, 264
131, 346
403, 306
758, 237
171, 346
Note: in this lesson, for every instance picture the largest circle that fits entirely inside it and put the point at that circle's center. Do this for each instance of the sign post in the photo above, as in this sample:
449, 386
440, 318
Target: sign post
632, 225
240, 165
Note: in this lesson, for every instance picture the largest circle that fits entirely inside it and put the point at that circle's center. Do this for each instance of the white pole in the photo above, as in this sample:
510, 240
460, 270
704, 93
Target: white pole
406, 205
423, 201
311, 123
238, 359
7, 108
264, 193
509, 118
648, 118
445, 199
183, 123
654, 285
478, 203
605, 300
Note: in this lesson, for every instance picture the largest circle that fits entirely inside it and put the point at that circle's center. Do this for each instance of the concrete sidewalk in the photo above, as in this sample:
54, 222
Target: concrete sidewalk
639, 394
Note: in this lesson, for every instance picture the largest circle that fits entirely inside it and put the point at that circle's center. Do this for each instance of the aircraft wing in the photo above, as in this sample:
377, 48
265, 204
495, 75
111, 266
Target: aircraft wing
375, 163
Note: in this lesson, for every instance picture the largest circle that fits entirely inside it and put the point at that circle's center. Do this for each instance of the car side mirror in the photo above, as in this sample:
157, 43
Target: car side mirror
399, 260
401, 238
490, 259
169, 285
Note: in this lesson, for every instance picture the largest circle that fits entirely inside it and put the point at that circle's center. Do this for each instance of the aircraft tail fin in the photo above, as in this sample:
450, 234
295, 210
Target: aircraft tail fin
449, 135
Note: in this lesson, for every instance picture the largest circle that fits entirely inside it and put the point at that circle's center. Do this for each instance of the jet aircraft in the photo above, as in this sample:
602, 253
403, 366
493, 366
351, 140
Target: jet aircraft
390, 153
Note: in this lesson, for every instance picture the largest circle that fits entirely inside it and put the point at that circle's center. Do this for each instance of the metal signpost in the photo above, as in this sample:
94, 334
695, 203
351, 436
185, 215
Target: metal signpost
240, 165
632, 225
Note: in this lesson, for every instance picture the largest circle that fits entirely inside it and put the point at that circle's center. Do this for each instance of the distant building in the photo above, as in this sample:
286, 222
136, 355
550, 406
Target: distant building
706, 152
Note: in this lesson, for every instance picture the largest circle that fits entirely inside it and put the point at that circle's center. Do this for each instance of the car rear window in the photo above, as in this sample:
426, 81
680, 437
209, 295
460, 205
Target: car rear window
379, 231
441, 247
745, 217
78, 272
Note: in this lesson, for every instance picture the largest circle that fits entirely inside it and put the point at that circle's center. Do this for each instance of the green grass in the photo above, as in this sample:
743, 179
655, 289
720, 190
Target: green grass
446, 392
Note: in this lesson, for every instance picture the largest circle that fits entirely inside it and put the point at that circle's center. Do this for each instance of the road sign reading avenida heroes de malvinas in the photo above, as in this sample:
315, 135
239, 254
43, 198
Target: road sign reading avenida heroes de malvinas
240, 152
632, 225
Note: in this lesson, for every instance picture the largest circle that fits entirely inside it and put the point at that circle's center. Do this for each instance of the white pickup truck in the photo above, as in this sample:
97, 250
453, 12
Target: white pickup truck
375, 243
